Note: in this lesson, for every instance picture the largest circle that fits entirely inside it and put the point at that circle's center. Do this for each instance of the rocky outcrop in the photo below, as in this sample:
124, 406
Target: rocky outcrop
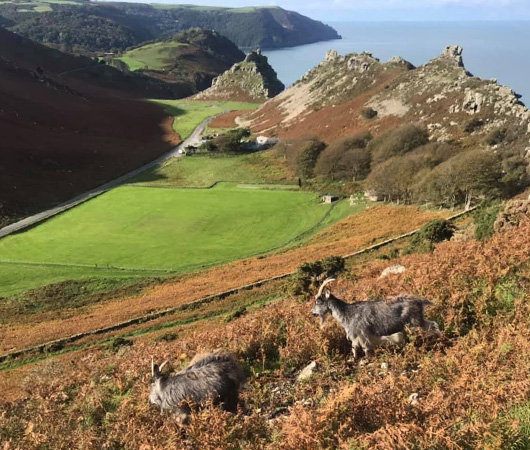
250, 80
514, 211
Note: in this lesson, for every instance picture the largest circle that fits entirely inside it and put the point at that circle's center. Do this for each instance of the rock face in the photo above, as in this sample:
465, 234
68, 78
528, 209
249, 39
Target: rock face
514, 211
250, 80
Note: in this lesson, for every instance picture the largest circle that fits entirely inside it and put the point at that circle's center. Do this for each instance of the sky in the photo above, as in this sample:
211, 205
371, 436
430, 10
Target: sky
399, 10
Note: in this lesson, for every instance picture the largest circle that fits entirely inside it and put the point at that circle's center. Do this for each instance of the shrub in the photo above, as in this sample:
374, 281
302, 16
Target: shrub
393, 180
309, 274
301, 154
397, 142
368, 113
495, 137
473, 124
432, 232
484, 219
467, 177
437, 230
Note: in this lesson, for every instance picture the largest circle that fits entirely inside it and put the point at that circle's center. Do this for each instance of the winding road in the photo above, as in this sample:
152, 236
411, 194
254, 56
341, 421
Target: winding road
193, 139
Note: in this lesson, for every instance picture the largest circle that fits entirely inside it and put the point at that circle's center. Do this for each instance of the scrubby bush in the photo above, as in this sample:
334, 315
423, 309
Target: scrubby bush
393, 180
368, 113
230, 142
310, 274
437, 231
495, 137
345, 158
397, 142
484, 219
307, 158
473, 124
431, 233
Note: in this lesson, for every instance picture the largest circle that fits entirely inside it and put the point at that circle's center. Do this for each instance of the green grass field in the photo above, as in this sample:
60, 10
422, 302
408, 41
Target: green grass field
203, 171
143, 230
190, 113
156, 56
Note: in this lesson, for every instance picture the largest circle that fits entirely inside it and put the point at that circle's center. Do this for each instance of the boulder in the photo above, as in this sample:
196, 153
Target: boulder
308, 371
514, 211
395, 269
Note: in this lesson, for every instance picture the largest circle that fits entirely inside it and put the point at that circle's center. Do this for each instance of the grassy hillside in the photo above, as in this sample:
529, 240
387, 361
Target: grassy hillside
472, 386
190, 113
156, 56
203, 171
69, 125
189, 60
172, 230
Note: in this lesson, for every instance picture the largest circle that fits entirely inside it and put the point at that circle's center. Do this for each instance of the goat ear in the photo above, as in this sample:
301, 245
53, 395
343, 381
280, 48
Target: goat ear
327, 293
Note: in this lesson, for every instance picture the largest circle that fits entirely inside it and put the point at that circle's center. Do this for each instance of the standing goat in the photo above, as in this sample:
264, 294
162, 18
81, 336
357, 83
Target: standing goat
370, 324
215, 376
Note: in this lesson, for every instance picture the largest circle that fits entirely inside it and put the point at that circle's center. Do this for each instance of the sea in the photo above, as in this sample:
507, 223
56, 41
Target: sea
494, 49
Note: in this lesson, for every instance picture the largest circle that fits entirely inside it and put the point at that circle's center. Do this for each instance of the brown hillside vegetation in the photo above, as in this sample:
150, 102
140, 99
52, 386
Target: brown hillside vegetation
227, 120
66, 129
474, 133
472, 386
441, 95
351, 234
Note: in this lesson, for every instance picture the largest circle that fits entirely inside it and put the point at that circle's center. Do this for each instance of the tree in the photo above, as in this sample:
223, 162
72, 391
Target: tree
306, 157
395, 179
397, 142
345, 158
468, 176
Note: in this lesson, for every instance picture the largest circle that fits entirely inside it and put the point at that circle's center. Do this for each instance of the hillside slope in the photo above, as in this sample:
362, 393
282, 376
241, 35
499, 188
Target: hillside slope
93, 27
468, 389
188, 61
66, 127
426, 122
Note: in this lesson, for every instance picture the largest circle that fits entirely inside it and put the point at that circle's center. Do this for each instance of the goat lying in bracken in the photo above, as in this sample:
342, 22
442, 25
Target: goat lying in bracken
215, 376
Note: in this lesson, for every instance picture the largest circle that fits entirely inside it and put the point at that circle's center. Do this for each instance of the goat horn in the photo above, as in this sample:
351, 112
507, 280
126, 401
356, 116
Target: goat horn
163, 364
152, 366
321, 288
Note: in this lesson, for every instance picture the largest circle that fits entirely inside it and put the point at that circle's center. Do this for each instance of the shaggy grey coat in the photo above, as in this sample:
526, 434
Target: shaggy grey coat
370, 324
215, 376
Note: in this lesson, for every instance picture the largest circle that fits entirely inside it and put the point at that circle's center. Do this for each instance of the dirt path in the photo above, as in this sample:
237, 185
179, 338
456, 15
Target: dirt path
193, 139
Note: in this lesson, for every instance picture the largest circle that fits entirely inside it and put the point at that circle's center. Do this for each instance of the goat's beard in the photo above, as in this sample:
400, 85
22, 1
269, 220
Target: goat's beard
322, 321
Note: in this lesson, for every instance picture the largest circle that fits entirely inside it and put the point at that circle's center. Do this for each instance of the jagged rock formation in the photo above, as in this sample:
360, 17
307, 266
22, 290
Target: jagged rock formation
462, 125
440, 95
251, 80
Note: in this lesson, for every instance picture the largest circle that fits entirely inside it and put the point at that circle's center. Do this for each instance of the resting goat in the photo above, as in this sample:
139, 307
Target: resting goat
215, 376
370, 324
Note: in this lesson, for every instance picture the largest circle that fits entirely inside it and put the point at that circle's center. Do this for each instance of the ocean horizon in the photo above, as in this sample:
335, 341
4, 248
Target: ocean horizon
497, 49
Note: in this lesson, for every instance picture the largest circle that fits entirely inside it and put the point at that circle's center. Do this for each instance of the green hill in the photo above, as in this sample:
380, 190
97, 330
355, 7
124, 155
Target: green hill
190, 59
